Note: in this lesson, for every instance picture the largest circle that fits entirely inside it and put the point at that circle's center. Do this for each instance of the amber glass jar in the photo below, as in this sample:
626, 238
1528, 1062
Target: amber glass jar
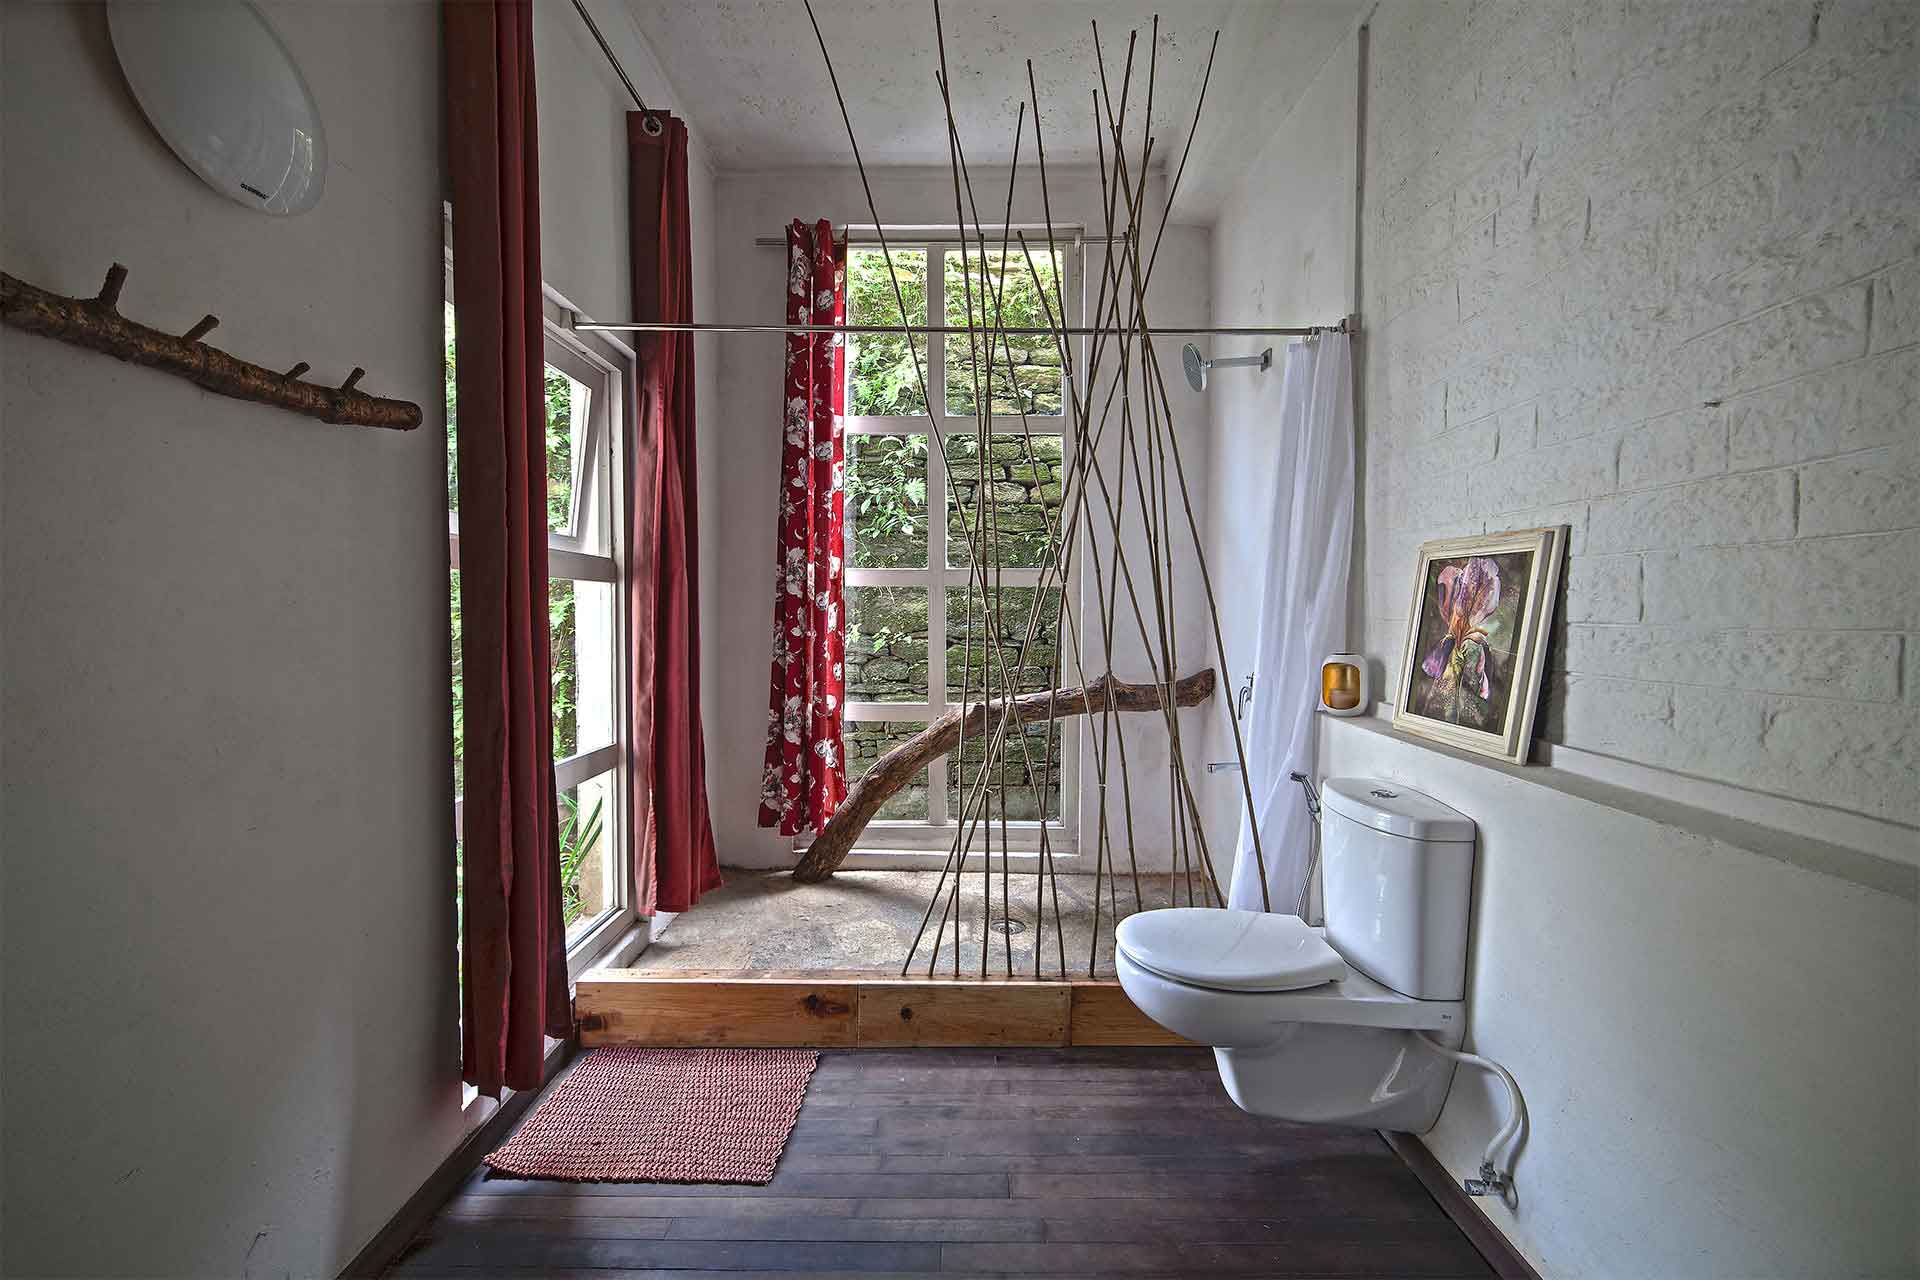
1343, 684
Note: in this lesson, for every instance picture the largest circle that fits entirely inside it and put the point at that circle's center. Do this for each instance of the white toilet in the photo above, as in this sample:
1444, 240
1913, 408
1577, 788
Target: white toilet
1320, 1025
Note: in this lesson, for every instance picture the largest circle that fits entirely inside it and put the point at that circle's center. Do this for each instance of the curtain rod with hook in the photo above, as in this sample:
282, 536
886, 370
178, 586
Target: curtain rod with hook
1348, 324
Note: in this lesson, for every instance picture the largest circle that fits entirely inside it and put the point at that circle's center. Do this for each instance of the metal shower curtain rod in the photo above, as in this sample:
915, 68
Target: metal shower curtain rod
1346, 325
906, 238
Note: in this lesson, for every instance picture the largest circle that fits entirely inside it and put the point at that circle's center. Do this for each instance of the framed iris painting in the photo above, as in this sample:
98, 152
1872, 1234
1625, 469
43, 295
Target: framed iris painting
1476, 640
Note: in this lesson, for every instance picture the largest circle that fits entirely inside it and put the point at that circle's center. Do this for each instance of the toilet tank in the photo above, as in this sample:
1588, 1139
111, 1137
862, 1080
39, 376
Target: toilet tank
1397, 878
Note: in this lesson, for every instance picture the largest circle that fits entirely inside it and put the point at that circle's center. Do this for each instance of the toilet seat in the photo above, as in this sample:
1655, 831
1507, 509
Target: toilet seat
1222, 949
1220, 1018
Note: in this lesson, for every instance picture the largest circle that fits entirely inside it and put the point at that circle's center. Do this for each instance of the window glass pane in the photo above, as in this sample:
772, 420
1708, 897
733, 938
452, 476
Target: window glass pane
580, 634
1023, 495
886, 644
1016, 775
577, 494
453, 591
887, 501
459, 723
1025, 371
866, 741
969, 665
453, 438
881, 380
565, 427
589, 887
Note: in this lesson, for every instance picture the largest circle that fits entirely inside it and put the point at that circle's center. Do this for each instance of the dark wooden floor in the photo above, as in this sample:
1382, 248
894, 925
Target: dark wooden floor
1075, 1162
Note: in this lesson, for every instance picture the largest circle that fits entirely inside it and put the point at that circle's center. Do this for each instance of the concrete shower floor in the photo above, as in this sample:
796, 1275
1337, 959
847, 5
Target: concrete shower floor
866, 920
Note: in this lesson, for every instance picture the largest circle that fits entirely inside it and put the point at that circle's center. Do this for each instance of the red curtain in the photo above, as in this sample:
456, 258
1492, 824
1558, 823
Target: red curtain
674, 857
805, 776
514, 991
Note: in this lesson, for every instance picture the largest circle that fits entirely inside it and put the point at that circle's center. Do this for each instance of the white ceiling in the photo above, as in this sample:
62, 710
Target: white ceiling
749, 75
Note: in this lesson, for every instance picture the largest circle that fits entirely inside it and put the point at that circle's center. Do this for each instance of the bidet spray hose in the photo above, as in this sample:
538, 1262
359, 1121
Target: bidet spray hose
1313, 842
1502, 1175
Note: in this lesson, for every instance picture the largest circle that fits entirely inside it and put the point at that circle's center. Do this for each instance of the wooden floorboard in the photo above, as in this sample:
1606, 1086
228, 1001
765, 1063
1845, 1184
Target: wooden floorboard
1090, 1162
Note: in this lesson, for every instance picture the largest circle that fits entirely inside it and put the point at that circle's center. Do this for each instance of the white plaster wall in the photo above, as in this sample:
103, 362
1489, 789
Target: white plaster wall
583, 162
751, 289
228, 917
229, 921
1282, 255
584, 243
1710, 376
1649, 270
1716, 1042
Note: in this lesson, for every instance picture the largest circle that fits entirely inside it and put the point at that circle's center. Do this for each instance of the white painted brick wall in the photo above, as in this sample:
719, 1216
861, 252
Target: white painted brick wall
1649, 270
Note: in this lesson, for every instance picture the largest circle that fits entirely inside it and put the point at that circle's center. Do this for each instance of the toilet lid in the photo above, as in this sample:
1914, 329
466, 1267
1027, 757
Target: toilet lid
1230, 950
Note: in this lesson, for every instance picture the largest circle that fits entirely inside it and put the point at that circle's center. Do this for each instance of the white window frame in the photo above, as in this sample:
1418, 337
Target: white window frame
611, 371
897, 842
611, 375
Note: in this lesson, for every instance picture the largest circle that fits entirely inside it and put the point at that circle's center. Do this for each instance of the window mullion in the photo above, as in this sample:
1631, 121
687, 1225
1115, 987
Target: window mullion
936, 533
936, 624
936, 313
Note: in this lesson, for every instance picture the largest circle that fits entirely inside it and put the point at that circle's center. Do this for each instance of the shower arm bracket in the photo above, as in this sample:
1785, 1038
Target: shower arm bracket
1264, 360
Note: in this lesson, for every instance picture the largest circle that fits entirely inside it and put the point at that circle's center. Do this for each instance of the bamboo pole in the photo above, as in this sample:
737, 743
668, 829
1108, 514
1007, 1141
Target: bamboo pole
1136, 420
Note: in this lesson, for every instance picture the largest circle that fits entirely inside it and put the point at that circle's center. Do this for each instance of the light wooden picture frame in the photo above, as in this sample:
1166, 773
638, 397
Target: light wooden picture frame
1476, 640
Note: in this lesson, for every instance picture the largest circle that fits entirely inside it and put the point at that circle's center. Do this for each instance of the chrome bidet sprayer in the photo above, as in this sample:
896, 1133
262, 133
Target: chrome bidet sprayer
1313, 797
1313, 841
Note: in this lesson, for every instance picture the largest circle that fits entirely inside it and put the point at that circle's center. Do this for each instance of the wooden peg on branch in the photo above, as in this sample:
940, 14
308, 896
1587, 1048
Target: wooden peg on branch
109, 299
96, 324
901, 765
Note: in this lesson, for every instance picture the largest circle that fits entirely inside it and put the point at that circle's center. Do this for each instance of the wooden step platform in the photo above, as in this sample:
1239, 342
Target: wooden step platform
850, 1010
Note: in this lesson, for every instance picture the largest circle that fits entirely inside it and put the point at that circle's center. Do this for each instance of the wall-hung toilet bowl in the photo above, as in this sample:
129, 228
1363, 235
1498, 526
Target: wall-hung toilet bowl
1328, 1026
1302, 1037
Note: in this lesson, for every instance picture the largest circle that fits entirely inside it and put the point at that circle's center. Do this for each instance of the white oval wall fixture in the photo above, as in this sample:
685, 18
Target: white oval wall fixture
218, 85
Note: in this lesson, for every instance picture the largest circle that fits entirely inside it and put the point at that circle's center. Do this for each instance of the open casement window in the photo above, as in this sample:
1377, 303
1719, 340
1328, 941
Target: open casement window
586, 391
916, 628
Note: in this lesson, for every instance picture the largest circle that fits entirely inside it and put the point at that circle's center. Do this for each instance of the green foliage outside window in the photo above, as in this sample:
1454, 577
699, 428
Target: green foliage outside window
887, 501
881, 381
559, 451
560, 604
1032, 385
453, 439
578, 836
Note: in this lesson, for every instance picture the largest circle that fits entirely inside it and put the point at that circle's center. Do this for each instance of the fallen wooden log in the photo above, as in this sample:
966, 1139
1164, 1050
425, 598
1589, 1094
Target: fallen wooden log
898, 767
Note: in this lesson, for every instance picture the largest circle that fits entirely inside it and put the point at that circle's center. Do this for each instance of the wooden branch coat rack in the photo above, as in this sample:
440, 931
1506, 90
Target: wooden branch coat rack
96, 323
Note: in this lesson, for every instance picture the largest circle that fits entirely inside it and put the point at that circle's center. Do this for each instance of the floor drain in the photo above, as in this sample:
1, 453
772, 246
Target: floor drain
1008, 926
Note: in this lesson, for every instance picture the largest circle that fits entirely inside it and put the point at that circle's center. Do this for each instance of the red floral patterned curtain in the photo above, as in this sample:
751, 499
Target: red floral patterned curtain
805, 777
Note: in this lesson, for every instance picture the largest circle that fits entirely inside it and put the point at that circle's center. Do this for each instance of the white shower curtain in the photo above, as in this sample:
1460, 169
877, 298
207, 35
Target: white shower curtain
1303, 615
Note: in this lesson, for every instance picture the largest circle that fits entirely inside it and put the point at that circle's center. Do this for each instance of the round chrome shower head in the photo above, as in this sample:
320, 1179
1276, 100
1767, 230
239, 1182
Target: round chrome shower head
1196, 365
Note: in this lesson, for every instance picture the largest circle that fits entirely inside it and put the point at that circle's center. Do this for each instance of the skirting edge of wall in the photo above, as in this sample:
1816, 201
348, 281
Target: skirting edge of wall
391, 1240
1507, 1261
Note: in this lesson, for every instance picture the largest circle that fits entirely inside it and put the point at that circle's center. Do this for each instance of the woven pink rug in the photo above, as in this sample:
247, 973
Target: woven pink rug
664, 1115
